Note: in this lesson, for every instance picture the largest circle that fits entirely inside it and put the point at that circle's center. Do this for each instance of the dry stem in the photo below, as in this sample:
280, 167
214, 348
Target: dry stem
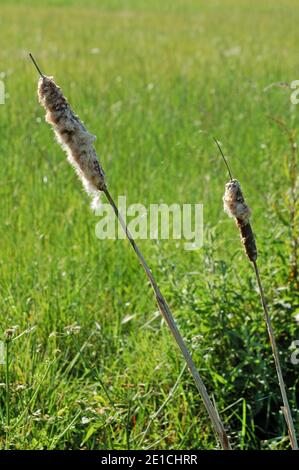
167, 315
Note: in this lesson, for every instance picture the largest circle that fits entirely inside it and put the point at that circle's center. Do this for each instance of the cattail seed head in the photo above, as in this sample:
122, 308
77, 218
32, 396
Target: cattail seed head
234, 203
235, 206
72, 136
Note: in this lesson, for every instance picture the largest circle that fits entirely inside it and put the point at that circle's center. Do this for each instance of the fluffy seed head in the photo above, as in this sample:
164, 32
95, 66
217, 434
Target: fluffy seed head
234, 203
72, 135
235, 206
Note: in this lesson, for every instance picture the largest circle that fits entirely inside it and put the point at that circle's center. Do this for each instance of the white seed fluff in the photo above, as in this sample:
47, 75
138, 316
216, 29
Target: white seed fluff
75, 140
233, 202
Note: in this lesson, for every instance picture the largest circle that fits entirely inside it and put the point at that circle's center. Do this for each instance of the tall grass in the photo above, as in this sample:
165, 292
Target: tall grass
148, 81
78, 144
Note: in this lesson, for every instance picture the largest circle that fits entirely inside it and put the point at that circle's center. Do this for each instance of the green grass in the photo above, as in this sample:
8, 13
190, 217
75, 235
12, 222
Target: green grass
166, 74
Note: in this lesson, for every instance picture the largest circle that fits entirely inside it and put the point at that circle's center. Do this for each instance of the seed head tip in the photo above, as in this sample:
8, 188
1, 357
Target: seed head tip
36, 66
224, 159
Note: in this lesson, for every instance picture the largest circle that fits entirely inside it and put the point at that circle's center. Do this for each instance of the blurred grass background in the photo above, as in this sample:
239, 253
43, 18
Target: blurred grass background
152, 80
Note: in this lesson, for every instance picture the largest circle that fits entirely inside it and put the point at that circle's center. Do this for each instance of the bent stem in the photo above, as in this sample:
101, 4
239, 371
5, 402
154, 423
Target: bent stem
286, 408
167, 315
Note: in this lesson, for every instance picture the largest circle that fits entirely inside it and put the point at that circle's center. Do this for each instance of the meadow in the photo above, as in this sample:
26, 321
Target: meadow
91, 365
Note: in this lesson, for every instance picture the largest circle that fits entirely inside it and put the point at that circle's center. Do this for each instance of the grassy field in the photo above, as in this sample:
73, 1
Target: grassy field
96, 368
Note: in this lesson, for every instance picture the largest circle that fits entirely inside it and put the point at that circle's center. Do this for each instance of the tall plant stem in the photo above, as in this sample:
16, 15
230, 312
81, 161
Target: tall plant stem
167, 315
286, 407
7, 385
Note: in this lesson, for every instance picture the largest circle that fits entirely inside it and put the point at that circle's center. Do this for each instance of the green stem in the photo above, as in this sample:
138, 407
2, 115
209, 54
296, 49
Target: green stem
286, 407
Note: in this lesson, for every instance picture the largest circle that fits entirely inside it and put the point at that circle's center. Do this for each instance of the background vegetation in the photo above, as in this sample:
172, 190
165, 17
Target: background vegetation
96, 368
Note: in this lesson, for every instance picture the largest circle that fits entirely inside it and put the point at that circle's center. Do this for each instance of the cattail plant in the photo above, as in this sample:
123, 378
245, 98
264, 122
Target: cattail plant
236, 207
78, 144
